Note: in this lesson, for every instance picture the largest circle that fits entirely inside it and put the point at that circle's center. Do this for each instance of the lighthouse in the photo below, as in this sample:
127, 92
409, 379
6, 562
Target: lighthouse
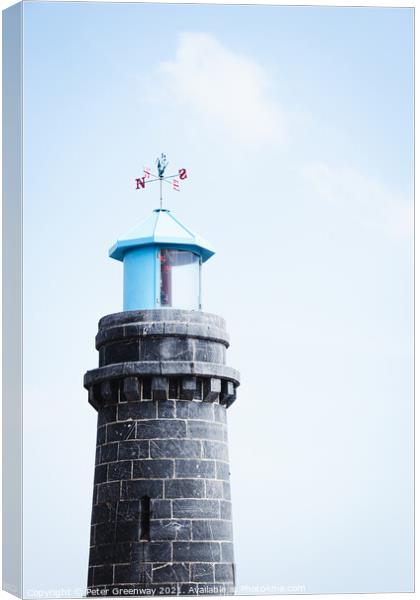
161, 513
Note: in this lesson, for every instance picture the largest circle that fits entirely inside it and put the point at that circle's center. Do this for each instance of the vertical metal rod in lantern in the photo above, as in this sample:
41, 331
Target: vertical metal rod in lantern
166, 278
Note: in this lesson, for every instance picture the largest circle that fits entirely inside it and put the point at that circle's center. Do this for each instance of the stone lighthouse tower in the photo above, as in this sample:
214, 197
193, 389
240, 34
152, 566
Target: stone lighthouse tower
161, 515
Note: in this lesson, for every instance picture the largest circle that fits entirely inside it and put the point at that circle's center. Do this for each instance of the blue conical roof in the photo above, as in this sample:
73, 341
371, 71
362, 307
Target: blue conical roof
161, 229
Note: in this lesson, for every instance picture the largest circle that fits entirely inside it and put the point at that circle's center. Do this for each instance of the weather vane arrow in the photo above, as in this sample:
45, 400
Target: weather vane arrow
172, 180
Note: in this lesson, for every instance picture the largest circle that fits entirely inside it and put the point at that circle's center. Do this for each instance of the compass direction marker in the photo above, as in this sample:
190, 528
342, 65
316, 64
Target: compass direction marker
172, 180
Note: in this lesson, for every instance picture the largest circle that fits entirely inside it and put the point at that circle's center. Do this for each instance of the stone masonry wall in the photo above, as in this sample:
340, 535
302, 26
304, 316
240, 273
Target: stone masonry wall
161, 514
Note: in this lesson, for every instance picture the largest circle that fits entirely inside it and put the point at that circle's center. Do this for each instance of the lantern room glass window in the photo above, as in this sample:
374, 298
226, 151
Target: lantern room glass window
180, 279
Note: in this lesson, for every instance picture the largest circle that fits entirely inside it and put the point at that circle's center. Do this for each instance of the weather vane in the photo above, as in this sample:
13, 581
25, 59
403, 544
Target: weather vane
172, 180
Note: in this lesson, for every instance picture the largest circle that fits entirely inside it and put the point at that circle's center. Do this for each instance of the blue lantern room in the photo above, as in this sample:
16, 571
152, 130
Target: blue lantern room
162, 264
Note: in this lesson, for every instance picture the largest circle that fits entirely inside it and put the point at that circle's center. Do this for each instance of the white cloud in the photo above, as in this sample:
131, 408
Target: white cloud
224, 88
362, 198
229, 93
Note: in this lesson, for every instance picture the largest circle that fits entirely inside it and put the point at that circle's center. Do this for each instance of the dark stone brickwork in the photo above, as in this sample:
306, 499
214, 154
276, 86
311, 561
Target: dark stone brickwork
161, 515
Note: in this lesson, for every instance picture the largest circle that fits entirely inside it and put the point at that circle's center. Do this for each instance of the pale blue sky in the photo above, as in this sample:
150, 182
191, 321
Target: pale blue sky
296, 126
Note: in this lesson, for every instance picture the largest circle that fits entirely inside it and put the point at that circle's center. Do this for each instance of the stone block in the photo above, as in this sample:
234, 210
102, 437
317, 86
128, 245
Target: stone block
224, 572
217, 450
128, 510
176, 348
160, 509
227, 551
166, 409
213, 529
108, 492
103, 513
222, 470
162, 529
155, 551
188, 388
160, 388
108, 393
226, 490
107, 414
211, 389
219, 413
204, 430
174, 328
104, 534
131, 389
127, 531
103, 575
196, 551
214, 489
227, 395
145, 573
168, 573
174, 384
202, 572
101, 435
101, 472
149, 349
117, 432
176, 368
134, 449
153, 468
137, 488
184, 488
137, 410
133, 573
208, 351
195, 468
126, 552
147, 388
92, 540
192, 508
95, 494
194, 410
102, 554
109, 452
180, 448
225, 510
120, 351
120, 470
164, 428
